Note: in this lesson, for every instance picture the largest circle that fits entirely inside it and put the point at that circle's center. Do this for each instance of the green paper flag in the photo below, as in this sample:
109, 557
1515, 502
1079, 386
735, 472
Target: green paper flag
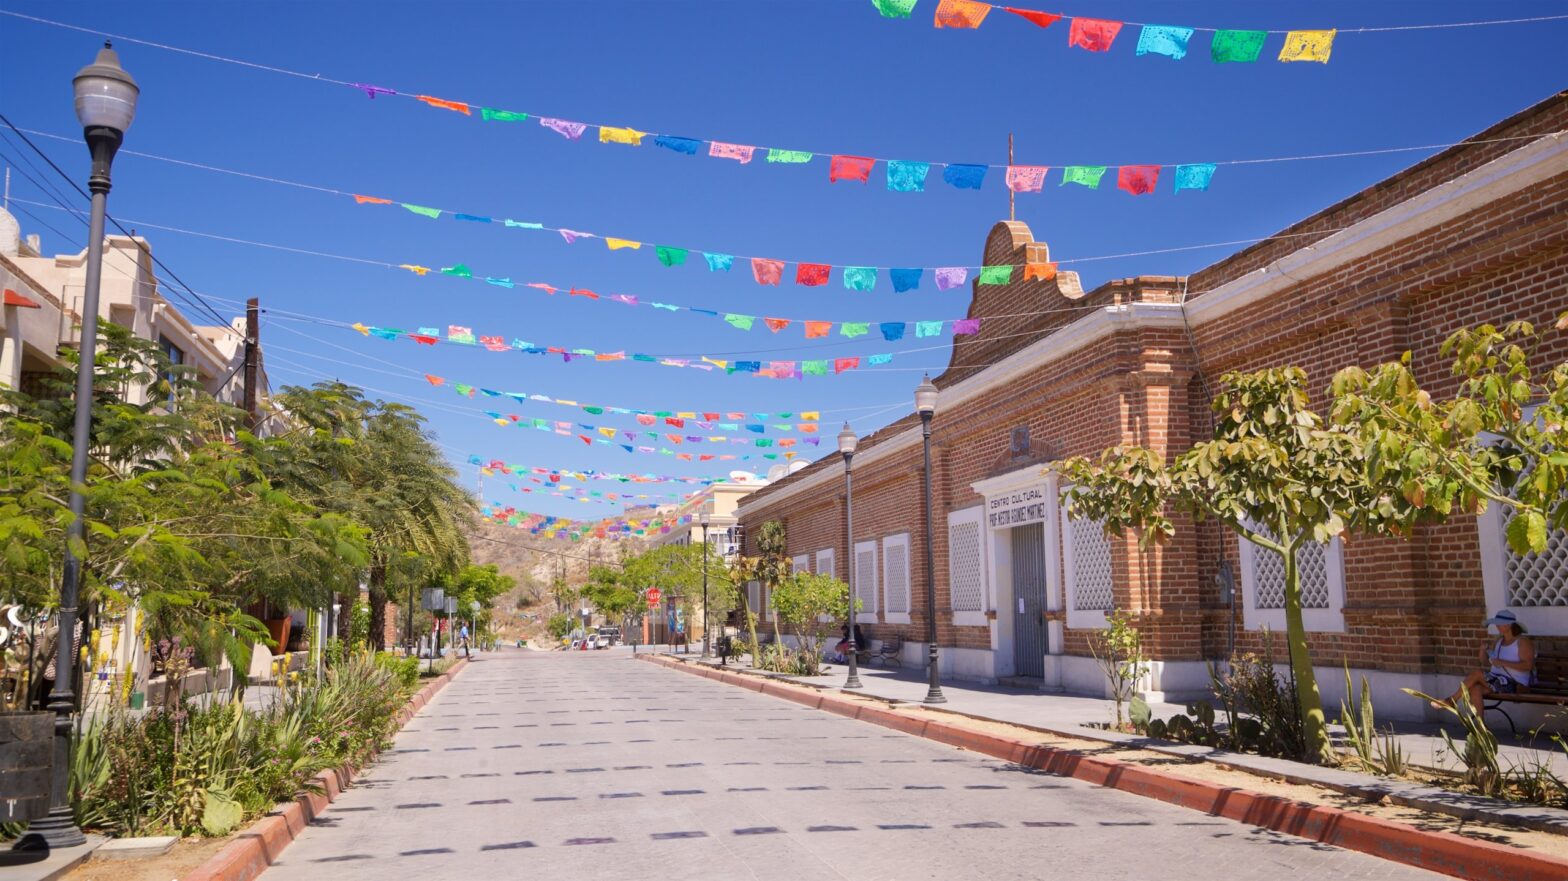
894, 8
594, 410
741, 321
790, 156
764, 442
814, 368
853, 329
1088, 175
492, 114
1237, 45
860, 278
671, 256
459, 270
431, 213
996, 274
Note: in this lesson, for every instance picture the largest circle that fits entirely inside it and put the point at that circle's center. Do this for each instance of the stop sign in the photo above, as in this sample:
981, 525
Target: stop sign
653, 597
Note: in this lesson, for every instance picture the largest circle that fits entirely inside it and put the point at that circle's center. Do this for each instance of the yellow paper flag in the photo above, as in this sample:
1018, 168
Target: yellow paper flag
361, 328
417, 270
607, 432
617, 244
811, 416
1307, 46
687, 415
611, 135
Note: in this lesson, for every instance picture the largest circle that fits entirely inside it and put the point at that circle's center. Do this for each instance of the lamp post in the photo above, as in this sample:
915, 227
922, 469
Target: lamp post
925, 405
846, 446
105, 105
705, 626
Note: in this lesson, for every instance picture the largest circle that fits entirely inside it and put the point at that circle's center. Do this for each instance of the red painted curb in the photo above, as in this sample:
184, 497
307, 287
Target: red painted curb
1435, 851
258, 847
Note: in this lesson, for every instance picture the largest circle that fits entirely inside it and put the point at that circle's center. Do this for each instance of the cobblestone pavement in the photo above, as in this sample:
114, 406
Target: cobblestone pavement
592, 765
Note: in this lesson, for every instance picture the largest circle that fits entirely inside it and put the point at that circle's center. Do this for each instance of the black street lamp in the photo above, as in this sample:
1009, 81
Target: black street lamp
846, 445
706, 627
925, 405
105, 105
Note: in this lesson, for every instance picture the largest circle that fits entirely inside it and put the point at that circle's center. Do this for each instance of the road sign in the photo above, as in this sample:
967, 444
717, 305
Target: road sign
653, 597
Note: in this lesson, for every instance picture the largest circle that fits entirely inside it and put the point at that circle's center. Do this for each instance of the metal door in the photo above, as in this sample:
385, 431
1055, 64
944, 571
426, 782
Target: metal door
1029, 600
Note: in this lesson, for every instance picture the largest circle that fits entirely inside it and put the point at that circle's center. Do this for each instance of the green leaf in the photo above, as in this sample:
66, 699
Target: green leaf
220, 812
1527, 532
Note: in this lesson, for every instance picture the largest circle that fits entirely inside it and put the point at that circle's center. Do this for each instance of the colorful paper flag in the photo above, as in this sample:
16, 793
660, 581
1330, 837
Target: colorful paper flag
949, 277
905, 279
1307, 46
892, 331
812, 274
964, 177
928, 329
1026, 178
767, 271
458, 106
612, 135
1137, 179
422, 211
742, 322
1194, 177
995, 275
371, 200
671, 256
967, 326
852, 329
1093, 34
1162, 39
815, 329
617, 244
776, 324
791, 157
860, 278
568, 130
1236, 45
1086, 175
490, 114
1040, 271
842, 364
680, 145
961, 13
1043, 19
888, 8
739, 152
907, 177
719, 262
459, 270
856, 168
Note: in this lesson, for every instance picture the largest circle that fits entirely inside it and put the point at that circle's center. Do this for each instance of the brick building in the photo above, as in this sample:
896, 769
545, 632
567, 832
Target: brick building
1476, 233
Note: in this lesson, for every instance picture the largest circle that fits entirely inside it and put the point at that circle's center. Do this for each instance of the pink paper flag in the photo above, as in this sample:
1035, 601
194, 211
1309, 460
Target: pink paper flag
767, 271
568, 130
1138, 179
1025, 178
856, 168
966, 326
739, 152
1093, 34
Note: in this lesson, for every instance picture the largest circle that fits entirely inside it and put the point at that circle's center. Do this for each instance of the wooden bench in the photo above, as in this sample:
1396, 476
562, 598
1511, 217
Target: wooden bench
1550, 689
888, 651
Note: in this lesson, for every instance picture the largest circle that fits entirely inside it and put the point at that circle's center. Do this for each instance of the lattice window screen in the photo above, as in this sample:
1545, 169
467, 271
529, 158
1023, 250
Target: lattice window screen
866, 578
1268, 574
895, 567
754, 597
825, 563
801, 563
1537, 579
1091, 553
964, 570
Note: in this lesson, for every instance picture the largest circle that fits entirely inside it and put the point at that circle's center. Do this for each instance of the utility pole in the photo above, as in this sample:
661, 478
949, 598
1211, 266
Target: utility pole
252, 360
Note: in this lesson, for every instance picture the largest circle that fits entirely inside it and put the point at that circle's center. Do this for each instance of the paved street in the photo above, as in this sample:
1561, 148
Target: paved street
594, 765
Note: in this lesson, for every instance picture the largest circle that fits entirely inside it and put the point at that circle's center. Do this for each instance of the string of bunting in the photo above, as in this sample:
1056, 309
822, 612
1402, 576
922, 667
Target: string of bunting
705, 420
610, 436
430, 336
550, 526
556, 475
1098, 34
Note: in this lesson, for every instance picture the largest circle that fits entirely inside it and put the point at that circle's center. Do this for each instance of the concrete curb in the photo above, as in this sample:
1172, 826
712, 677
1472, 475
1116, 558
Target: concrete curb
259, 846
1435, 851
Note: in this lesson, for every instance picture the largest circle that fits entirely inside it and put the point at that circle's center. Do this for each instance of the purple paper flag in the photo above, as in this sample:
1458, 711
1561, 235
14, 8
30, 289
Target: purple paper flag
963, 326
373, 91
572, 235
949, 277
568, 130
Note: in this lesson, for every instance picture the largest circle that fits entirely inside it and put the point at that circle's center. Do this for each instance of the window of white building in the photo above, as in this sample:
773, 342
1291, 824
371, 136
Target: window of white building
1321, 568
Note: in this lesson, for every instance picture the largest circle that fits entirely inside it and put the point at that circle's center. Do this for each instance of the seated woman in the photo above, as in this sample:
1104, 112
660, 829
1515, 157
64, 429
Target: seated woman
1510, 664
841, 650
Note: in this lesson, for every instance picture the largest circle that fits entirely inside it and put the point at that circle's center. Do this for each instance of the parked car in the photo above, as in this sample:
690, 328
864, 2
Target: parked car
603, 641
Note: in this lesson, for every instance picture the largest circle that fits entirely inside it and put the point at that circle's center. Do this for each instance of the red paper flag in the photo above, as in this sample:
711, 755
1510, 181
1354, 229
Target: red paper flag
850, 168
711, 417
816, 329
678, 423
371, 200
585, 439
434, 380
961, 13
1094, 34
684, 457
1043, 19
775, 325
812, 274
584, 292
1138, 179
842, 364
767, 271
422, 339
705, 457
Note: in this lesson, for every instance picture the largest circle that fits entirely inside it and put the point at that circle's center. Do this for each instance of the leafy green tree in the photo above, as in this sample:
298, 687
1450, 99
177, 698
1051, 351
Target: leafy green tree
1274, 474
802, 599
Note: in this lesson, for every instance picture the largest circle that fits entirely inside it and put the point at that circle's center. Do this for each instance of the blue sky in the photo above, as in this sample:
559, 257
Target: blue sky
829, 76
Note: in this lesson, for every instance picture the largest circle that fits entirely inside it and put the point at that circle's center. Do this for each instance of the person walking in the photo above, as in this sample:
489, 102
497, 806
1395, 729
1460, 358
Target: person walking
462, 635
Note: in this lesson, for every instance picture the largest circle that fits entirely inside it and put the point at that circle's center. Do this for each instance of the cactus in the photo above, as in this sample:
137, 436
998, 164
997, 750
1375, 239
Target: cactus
1140, 713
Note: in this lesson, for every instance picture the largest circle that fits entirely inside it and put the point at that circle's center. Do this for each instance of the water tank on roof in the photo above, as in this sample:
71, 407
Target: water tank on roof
797, 464
10, 234
778, 471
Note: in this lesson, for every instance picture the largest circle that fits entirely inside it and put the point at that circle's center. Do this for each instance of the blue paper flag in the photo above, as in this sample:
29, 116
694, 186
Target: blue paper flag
907, 177
905, 279
964, 177
680, 145
1194, 177
718, 262
474, 217
892, 330
879, 359
1161, 39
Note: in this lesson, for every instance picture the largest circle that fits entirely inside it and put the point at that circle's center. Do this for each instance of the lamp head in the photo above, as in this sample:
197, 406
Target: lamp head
105, 93
925, 397
847, 440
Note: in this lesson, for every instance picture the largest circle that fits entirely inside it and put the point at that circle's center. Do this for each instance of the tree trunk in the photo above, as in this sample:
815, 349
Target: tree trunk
1307, 697
378, 608
346, 603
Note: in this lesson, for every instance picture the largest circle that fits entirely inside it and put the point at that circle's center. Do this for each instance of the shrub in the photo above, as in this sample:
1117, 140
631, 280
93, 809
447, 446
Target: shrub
406, 669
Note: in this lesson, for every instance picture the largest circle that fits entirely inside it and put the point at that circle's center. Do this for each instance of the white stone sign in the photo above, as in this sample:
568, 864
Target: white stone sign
1017, 508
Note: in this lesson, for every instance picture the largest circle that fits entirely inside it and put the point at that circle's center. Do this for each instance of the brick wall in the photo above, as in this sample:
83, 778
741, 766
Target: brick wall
1410, 605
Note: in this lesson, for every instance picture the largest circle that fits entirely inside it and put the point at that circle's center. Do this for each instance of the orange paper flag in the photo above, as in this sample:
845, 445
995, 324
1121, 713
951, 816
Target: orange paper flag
818, 329
1042, 271
459, 106
961, 13
371, 200
776, 324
